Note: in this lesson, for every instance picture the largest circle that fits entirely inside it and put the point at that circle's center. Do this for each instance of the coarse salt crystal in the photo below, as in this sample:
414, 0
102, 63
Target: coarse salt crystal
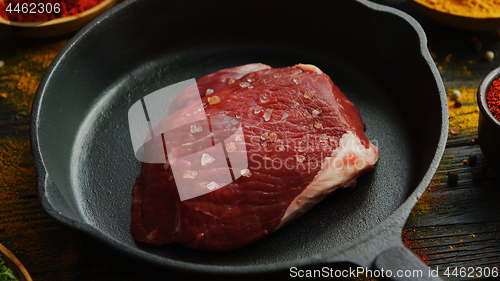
264, 136
213, 100
267, 114
206, 159
245, 173
309, 94
196, 129
244, 84
273, 137
213, 185
318, 125
230, 147
190, 174
230, 81
257, 110
276, 75
263, 98
300, 158
296, 81
209, 91
315, 113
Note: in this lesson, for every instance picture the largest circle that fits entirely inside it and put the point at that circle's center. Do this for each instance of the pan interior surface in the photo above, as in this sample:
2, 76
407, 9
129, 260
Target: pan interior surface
83, 133
106, 169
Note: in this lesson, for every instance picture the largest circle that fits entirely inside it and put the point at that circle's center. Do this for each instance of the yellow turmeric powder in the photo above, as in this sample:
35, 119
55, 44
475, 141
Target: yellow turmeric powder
467, 115
465, 8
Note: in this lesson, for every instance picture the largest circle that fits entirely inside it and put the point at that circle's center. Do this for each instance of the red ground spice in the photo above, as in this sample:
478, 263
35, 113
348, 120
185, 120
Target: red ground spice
67, 8
493, 98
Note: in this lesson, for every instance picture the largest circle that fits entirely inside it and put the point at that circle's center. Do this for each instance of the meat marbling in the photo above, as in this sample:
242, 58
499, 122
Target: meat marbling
303, 137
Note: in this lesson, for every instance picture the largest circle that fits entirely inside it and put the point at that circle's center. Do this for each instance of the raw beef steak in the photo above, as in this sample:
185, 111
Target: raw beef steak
302, 137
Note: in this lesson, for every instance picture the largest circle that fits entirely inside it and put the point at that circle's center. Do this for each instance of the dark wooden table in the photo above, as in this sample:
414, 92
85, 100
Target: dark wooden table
452, 225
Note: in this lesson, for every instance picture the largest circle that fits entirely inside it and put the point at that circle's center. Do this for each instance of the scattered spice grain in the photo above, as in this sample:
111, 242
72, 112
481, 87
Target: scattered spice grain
453, 177
473, 141
473, 159
489, 56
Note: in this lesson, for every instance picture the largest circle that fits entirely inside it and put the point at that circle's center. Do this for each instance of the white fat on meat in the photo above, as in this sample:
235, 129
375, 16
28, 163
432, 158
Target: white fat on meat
346, 163
309, 67
248, 68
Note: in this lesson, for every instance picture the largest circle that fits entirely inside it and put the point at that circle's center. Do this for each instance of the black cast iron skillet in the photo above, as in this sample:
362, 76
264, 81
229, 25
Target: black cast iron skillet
375, 54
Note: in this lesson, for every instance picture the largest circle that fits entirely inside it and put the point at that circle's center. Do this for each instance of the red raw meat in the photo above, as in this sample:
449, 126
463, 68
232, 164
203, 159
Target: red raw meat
304, 139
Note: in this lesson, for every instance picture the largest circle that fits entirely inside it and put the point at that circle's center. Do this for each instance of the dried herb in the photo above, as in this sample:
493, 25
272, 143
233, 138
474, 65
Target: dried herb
6, 273
473, 159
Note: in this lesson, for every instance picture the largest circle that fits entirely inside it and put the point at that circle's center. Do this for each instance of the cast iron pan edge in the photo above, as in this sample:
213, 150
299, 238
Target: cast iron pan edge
363, 250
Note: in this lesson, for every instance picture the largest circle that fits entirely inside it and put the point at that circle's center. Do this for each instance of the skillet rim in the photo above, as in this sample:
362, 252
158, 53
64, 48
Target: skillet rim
395, 220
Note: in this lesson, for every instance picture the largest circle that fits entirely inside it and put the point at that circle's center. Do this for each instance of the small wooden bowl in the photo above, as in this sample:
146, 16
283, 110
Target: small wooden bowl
12, 262
56, 27
488, 129
462, 22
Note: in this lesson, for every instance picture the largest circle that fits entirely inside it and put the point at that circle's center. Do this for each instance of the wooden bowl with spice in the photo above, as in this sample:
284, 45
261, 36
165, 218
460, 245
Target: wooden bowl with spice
10, 266
488, 100
59, 21
479, 15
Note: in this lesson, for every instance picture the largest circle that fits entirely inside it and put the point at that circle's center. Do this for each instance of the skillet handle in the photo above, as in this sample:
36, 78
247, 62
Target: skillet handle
400, 261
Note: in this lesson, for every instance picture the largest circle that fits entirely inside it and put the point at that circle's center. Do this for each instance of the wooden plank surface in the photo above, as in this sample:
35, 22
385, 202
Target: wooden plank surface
458, 225
452, 225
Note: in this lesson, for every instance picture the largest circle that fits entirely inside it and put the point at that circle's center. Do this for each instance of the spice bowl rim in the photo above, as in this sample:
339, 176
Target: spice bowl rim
481, 97
456, 20
58, 23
